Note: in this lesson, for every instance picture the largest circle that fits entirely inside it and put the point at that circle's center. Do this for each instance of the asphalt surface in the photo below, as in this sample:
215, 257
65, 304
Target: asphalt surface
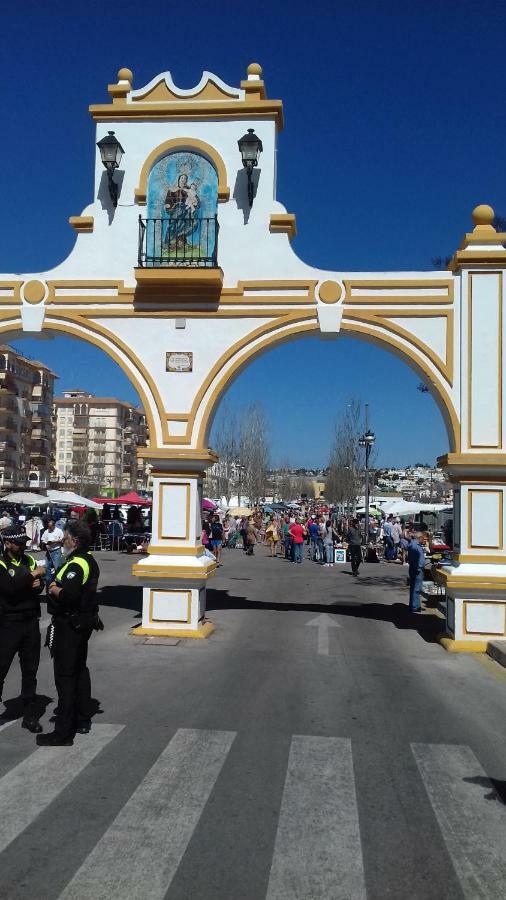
320, 744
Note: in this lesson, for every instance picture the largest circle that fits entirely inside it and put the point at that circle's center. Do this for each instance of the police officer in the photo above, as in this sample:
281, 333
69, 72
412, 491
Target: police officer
21, 582
73, 603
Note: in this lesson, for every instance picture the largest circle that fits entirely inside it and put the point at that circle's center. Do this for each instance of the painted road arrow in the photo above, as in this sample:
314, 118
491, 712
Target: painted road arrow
323, 623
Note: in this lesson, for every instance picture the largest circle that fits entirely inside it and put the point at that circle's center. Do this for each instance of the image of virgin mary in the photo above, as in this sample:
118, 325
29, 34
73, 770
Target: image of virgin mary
181, 203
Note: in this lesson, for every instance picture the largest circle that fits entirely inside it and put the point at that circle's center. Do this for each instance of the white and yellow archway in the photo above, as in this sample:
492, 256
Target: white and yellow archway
215, 310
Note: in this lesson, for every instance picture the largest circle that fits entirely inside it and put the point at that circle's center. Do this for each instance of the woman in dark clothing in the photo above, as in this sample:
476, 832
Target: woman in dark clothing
354, 539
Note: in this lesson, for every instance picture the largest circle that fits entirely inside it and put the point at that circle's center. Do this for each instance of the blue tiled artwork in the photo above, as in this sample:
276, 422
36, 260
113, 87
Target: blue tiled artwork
182, 199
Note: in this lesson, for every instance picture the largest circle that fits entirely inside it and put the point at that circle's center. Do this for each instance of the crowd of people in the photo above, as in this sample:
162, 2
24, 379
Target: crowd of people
316, 534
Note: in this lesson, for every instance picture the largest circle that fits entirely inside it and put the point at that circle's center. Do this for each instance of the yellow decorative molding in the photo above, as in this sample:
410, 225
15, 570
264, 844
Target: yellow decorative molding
470, 301
467, 259
82, 224
483, 583
410, 285
185, 109
284, 223
468, 460
34, 291
171, 454
329, 291
196, 552
183, 143
203, 631
453, 646
383, 319
484, 558
15, 287
197, 284
186, 572
470, 494
440, 395
483, 234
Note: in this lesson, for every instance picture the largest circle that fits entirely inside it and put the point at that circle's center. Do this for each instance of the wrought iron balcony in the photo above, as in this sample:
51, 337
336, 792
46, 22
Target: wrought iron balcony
184, 242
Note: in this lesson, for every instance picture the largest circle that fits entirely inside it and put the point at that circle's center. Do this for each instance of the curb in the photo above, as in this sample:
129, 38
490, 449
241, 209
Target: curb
497, 650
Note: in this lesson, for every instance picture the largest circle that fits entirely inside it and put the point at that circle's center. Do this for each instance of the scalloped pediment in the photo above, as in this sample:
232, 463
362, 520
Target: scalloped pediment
163, 90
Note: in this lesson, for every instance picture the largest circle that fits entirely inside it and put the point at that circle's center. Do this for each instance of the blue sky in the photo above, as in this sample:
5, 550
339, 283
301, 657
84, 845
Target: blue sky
395, 124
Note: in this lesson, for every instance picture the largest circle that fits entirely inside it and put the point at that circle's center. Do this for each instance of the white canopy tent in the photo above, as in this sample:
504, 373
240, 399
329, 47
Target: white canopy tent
69, 498
411, 508
27, 498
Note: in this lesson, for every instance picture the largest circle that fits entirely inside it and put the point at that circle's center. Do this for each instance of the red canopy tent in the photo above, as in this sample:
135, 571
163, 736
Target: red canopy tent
131, 498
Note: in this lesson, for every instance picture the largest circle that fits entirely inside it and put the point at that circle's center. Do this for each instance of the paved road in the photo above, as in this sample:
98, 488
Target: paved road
319, 745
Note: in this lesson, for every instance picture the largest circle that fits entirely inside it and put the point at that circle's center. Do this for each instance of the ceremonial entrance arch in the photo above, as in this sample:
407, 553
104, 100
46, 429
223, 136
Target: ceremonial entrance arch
183, 272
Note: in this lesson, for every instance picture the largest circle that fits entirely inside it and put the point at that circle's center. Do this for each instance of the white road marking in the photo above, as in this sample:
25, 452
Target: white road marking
318, 852
323, 622
470, 814
140, 852
33, 784
7, 724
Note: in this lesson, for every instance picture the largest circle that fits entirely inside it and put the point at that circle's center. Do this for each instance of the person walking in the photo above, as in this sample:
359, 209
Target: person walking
21, 581
416, 562
73, 605
298, 533
52, 542
328, 544
251, 538
216, 537
396, 537
354, 539
287, 537
272, 535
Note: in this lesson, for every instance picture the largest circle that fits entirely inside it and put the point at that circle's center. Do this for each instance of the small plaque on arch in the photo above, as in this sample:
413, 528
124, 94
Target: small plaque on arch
179, 361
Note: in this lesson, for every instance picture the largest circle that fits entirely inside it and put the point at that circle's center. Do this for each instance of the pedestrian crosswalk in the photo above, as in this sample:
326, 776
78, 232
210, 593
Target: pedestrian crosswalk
317, 851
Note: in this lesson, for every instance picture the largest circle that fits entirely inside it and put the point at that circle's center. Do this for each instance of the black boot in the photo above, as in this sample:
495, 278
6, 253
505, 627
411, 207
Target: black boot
53, 739
84, 727
31, 723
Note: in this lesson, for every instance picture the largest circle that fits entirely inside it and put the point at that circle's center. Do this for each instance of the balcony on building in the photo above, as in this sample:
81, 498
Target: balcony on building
178, 259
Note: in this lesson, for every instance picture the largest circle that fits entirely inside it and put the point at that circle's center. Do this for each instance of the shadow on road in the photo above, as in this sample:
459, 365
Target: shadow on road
123, 596
498, 791
428, 625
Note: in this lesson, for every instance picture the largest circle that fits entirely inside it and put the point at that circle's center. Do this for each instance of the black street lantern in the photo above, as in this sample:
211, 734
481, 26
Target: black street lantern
111, 152
250, 146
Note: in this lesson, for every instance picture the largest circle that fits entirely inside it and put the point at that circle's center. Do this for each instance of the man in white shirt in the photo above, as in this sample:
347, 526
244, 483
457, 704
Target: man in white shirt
52, 541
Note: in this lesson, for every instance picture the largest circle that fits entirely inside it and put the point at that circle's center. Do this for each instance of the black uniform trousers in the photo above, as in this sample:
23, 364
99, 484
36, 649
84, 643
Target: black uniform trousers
21, 636
71, 676
355, 557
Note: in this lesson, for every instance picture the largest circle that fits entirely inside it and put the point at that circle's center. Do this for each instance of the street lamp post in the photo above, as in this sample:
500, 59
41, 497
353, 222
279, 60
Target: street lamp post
240, 468
367, 441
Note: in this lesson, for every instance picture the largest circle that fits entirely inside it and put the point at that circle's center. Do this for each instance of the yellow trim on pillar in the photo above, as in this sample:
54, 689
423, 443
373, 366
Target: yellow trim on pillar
454, 646
499, 445
203, 631
483, 558
174, 572
499, 493
183, 143
165, 484
171, 621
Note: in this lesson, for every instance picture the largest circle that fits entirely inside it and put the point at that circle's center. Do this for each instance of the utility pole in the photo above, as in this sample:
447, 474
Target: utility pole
367, 441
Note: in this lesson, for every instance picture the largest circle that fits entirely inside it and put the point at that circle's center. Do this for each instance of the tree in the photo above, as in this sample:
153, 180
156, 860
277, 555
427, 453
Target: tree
343, 480
222, 475
284, 481
254, 451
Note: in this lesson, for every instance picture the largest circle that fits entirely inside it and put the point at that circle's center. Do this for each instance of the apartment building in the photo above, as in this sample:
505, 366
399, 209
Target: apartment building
95, 442
26, 402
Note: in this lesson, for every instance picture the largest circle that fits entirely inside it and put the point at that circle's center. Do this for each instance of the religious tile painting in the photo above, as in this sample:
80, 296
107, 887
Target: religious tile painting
182, 203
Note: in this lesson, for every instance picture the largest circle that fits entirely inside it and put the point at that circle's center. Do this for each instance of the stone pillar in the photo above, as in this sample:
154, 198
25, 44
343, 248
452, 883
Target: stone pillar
175, 572
476, 587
